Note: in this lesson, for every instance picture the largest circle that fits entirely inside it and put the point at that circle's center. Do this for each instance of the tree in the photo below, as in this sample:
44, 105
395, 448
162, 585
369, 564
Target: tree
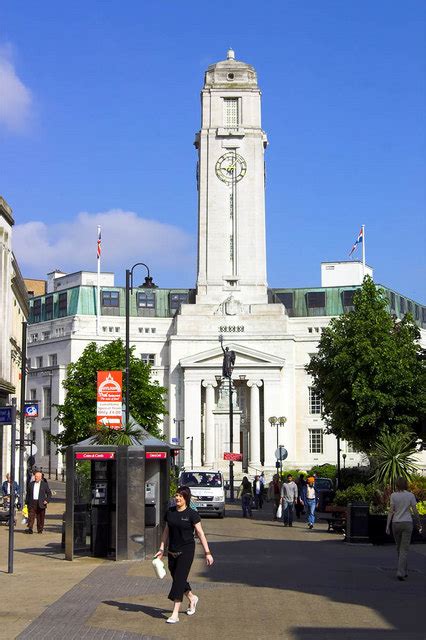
369, 371
78, 412
394, 457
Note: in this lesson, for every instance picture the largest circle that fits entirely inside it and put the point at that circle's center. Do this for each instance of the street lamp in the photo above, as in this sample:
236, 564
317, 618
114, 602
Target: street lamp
148, 284
277, 422
227, 368
344, 460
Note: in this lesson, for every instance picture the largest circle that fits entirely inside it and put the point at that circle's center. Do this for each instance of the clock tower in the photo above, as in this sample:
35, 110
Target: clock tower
231, 187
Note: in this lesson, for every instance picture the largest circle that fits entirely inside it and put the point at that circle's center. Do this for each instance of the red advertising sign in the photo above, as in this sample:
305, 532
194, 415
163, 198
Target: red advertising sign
236, 457
156, 455
95, 455
109, 399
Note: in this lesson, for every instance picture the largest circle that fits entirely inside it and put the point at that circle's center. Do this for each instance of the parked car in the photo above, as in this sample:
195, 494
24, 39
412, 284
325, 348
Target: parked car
207, 490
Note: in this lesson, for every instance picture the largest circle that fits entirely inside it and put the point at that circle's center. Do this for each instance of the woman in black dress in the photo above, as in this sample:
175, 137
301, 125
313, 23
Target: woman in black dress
181, 523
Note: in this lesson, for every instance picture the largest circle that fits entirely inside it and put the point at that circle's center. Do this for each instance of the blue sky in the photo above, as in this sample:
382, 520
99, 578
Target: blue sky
100, 104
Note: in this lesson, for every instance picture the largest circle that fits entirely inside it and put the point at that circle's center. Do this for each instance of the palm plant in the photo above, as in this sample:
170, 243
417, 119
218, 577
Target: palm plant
125, 436
393, 456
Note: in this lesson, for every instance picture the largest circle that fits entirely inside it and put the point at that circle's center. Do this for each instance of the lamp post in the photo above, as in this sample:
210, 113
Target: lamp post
148, 284
227, 368
278, 422
344, 460
338, 461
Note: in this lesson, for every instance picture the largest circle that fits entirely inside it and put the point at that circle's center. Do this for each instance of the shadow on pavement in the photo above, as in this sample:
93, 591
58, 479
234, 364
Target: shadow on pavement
153, 612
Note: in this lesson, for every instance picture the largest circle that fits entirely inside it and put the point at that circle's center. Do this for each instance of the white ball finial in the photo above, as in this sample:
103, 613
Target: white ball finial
231, 54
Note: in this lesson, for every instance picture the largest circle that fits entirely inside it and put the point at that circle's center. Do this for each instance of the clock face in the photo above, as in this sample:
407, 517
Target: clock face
231, 167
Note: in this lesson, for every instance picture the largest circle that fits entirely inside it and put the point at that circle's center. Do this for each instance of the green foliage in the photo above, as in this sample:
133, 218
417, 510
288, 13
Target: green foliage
369, 371
78, 412
286, 472
380, 501
355, 493
354, 475
421, 508
324, 471
393, 456
118, 437
417, 486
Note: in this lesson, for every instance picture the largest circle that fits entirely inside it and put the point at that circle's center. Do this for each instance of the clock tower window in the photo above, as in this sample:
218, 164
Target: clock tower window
231, 113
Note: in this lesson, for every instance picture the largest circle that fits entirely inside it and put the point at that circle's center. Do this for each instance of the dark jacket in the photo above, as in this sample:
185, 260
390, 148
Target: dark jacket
44, 495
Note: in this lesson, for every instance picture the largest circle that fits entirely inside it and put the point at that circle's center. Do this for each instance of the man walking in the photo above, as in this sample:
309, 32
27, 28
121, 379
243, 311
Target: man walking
38, 496
288, 500
258, 492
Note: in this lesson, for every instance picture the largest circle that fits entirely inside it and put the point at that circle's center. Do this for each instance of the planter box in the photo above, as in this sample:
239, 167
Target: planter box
377, 530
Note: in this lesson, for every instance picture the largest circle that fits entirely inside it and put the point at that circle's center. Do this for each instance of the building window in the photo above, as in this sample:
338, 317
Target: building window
34, 337
315, 302
117, 329
39, 362
47, 402
148, 358
176, 299
53, 359
392, 301
46, 443
60, 331
409, 307
48, 308
287, 300
416, 312
111, 299
45, 335
348, 300
37, 310
402, 305
153, 330
62, 305
424, 315
145, 300
231, 113
316, 444
33, 394
314, 402
350, 448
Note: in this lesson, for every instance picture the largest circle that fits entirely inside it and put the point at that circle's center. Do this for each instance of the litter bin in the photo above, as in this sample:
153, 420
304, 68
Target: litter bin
357, 522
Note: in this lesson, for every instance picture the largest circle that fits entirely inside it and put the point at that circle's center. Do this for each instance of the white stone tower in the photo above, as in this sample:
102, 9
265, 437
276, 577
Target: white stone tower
231, 186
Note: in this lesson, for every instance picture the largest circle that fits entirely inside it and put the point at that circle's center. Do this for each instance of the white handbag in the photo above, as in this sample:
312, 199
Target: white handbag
159, 568
279, 511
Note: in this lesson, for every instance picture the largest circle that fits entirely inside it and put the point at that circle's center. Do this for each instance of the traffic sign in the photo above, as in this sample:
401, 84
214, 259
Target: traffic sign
31, 409
281, 453
236, 457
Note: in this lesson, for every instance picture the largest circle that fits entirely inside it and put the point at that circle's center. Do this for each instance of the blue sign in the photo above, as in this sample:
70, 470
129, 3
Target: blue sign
6, 415
175, 440
31, 409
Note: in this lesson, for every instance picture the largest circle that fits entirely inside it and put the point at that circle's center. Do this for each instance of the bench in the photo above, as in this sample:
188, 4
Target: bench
336, 518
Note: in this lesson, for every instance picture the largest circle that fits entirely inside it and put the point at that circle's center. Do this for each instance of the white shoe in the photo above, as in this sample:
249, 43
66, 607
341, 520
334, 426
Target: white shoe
191, 610
172, 620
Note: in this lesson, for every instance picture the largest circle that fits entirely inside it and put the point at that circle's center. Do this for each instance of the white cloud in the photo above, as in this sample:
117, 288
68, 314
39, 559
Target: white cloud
126, 238
16, 99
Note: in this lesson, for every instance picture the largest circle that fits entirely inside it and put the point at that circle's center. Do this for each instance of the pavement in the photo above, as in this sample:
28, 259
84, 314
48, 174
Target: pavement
267, 582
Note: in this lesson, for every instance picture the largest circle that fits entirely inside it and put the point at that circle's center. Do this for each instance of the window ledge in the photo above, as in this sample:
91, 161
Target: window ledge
231, 133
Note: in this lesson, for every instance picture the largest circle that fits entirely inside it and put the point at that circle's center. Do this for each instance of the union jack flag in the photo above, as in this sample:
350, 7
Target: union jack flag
99, 248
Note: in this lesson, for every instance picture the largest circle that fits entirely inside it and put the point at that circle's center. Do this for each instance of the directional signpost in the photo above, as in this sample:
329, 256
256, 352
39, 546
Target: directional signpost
8, 417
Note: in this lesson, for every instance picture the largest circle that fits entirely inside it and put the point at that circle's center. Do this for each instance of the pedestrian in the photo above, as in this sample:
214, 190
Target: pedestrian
6, 489
403, 509
288, 500
301, 495
274, 493
311, 501
181, 524
246, 494
38, 496
258, 492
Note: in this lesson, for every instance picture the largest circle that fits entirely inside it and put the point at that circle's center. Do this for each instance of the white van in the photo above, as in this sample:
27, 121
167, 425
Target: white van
207, 490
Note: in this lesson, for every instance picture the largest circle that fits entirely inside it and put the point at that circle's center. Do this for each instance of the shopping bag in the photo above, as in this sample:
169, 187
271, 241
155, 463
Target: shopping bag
25, 511
279, 511
159, 568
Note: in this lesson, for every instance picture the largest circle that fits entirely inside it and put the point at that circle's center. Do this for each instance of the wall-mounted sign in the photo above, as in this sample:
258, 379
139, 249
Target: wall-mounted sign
6, 415
109, 399
31, 409
236, 457
156, 455
95, 455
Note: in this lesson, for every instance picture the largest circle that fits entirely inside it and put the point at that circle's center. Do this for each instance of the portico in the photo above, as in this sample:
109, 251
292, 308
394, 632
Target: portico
258, 382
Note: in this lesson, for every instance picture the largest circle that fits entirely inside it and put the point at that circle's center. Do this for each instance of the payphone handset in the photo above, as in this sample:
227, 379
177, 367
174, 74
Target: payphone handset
99, 493
150, 492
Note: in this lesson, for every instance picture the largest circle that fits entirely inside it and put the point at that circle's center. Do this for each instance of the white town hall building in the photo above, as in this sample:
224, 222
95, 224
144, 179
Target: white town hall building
273, 332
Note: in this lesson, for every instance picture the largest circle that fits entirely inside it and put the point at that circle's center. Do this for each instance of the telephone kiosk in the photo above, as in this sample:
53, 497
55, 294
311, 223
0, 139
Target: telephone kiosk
116, 498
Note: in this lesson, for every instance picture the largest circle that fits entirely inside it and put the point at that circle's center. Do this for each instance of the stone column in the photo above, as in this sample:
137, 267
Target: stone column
209, 436
192, 413
254, 457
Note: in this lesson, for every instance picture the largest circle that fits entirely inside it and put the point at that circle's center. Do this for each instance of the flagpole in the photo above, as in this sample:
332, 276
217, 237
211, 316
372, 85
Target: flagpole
98, 287
363, 251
